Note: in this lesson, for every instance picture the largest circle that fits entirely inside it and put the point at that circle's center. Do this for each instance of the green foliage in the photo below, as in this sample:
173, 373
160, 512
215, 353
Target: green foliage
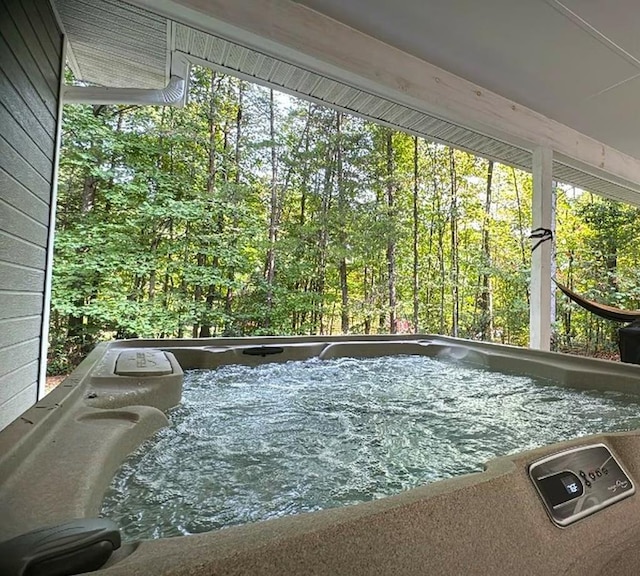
207, 220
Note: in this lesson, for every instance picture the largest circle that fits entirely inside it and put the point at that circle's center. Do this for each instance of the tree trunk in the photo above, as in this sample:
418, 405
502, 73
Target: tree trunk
566, 315
202, 260
521, 227
455, 267
270, 268
214, 292
342, 231
435, 209
391, 241
228, 303
415, 236
213, 134
197, 291
153, 271
77, 331
441, 263
323, 239
485, 301
367, 301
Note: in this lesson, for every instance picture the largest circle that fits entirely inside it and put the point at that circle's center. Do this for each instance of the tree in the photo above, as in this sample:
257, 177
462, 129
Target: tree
248, 212
485, 298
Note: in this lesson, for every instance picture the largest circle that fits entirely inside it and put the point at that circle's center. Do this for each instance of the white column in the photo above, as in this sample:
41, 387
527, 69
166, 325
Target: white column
46, 307
542, 217
554, 262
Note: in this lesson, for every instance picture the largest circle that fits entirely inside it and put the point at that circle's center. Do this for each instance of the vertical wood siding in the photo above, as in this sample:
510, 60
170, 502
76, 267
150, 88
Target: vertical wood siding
30, 58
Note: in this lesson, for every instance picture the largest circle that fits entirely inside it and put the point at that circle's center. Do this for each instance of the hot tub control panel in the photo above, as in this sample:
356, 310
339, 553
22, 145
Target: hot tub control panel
579, 482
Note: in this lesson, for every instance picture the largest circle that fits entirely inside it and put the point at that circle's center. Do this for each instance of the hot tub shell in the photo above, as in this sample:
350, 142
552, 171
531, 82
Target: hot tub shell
58, 458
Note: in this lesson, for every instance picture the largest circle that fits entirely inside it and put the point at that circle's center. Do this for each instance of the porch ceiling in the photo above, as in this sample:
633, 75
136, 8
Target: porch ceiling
574, 62
112, 43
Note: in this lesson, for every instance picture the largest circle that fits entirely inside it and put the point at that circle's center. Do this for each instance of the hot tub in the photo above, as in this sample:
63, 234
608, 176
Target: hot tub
57, 460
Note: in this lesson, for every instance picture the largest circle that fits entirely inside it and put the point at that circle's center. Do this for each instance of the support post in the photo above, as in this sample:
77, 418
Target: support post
542, 213
53, 203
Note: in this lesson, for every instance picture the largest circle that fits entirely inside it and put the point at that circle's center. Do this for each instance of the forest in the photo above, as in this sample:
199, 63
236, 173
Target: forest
250, 212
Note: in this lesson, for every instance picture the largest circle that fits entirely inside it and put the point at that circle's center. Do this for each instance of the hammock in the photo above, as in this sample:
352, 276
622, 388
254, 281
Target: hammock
602, 310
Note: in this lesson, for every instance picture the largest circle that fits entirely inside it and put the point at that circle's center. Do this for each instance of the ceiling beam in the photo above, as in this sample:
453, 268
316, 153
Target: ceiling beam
289, 31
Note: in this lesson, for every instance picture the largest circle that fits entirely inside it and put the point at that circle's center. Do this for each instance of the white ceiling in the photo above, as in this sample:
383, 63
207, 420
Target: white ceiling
575, 61
114, 43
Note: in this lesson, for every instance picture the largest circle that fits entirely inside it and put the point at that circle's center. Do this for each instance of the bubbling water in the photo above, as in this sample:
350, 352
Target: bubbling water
252, 443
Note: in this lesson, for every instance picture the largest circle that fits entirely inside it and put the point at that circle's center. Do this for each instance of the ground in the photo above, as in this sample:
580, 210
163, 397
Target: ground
52, 382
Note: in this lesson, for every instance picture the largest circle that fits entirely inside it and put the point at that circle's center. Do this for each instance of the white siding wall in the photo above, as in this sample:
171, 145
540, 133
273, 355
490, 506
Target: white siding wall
30, 64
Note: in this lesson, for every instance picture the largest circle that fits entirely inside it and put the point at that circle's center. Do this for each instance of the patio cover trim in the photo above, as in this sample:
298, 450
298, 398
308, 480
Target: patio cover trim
300, 36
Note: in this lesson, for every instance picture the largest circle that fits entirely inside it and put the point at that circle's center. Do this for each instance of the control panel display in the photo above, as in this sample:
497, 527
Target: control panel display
579, 482
561, 488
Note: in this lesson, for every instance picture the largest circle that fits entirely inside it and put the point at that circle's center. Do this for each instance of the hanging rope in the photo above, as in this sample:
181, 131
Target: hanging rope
543, 234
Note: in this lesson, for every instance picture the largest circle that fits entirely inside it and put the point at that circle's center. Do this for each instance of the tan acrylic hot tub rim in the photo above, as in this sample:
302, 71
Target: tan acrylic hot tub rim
58, 458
